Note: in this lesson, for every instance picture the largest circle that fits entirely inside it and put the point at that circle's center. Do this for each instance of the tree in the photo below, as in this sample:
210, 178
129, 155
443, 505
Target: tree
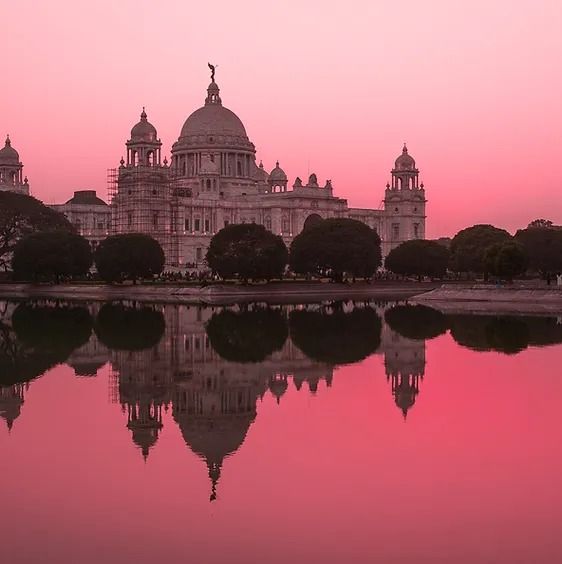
469, 246
508, 335
546, 223
417, 322
128, 257
40, 337
336, 337
248, 251
544, 249
247, 335
336, 246
21, 215
506, 260
419, 258
124, 328
50, 255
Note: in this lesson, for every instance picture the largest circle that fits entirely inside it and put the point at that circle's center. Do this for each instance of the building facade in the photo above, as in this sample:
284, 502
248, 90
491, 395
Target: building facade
213, 180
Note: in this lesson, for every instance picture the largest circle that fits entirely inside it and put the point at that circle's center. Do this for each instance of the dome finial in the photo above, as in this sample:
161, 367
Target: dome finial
276, 164
8, 142
405, 148
143, 114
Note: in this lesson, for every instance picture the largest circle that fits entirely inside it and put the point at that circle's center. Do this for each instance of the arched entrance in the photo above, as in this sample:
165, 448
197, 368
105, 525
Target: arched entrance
311, 220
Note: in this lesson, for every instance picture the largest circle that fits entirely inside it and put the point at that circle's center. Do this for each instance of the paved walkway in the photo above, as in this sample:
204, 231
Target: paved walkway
493, 299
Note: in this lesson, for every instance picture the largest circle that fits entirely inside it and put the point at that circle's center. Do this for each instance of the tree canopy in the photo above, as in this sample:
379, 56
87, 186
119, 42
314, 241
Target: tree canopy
544, 248
21, 215
50, 255
469, 245
40, 338
248, 251
506, 260
129, 257
417, 322
419, 258
336, 246
505, 334
247, 335
336, 337
125, 328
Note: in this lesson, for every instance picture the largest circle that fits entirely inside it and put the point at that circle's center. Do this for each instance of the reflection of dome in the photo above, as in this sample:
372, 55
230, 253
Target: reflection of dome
86, 367
213, 122
144, 130
8, 155
213, 439
405, 161
277, 174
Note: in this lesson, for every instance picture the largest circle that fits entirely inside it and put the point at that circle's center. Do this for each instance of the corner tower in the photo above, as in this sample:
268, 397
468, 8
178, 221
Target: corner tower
404, 204
11, 170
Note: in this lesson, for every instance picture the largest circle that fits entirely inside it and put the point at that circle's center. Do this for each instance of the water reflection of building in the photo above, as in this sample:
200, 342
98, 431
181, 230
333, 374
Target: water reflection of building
213, 401
404, 364
11, 400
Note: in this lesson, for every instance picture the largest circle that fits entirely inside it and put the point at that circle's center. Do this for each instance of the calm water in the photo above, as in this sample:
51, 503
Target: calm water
334, 433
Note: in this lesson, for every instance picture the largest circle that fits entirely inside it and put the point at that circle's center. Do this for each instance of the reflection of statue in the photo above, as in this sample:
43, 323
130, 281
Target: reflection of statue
212, 67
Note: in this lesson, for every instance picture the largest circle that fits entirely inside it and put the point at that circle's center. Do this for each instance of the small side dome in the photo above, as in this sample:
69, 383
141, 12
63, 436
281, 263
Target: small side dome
405, 161
8, 155
144, 130
277, 174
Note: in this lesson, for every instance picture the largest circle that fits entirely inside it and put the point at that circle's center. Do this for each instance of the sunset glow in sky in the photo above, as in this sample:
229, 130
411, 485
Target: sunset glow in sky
475, 88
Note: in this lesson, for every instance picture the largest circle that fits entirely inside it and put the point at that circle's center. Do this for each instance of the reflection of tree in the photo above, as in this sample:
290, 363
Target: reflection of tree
416, 322
509, 335
41, 338
119, 327
247, 336
336, 337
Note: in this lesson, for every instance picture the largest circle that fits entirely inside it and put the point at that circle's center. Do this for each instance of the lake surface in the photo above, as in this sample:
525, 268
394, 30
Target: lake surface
311, 433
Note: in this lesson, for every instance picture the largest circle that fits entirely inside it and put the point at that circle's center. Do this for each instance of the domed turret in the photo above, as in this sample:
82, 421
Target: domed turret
277, 179
144, 130
11, 170
278, 174
405, 161
143, 148
8, 155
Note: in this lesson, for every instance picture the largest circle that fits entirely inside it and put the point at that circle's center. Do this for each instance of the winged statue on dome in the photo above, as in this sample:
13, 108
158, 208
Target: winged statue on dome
212, 67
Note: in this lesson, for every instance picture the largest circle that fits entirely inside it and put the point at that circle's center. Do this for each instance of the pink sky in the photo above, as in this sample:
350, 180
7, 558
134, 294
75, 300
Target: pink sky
475, 89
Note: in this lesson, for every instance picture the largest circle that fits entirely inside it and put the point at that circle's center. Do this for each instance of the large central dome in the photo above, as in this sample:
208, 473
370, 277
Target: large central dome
213, 119
213, 122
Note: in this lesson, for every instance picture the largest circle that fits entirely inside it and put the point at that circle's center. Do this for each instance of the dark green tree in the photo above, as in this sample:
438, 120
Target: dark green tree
416, 322
544, 249
544, 223
336, 246
40, 338
418, 258
336, 337
248, 251
21, 215
50, 255
469, 246
505, 334
130, 256
125, 328
506, 260
247, 335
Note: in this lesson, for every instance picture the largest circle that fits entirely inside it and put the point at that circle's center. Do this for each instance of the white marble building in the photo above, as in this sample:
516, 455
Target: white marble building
213, 180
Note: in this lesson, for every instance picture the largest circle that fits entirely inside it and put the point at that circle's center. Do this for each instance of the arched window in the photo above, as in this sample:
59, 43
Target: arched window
150, 158
267, 222
239, 168
208, 184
